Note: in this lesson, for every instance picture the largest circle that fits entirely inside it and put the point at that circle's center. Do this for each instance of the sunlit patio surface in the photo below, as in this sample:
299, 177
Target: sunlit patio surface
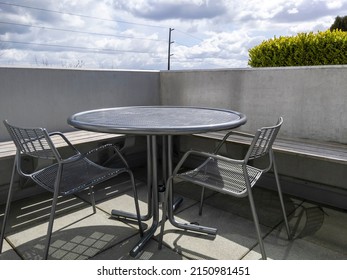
318, 232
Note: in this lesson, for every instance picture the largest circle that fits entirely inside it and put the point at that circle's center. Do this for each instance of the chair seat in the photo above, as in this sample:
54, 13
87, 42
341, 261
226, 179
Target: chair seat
76, 176
222, 176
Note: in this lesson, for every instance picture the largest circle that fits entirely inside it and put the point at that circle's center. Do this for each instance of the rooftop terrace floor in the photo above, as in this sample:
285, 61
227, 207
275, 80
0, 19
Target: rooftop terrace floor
318, 232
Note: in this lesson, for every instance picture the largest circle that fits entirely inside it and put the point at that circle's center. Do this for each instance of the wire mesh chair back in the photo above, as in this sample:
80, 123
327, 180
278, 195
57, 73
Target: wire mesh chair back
263, 140
34, 142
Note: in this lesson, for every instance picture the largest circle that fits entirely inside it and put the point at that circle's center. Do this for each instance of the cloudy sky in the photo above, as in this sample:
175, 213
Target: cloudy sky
134, 34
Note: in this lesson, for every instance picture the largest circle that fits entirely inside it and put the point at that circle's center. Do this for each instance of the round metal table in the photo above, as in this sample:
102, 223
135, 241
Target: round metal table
157, 120
154, 121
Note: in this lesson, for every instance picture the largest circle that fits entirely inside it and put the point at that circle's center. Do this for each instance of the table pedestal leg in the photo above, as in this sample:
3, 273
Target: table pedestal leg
167, 172
167, 161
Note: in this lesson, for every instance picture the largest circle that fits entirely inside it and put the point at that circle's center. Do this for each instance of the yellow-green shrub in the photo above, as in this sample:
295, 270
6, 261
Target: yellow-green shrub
321, 48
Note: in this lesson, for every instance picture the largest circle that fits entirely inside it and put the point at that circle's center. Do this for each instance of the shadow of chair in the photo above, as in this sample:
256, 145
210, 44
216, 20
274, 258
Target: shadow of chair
79, 243
230, 176
61, 176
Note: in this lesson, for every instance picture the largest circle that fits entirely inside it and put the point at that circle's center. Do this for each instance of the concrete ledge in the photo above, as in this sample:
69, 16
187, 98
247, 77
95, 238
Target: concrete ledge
310, 191
326, 151
8, 148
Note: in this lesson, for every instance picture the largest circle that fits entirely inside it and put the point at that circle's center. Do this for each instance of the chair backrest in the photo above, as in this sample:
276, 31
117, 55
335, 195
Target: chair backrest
263, 140
33, 142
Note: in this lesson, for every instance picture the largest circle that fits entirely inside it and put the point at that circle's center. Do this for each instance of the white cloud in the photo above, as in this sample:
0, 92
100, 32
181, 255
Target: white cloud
208, 34
293, 11
334, 4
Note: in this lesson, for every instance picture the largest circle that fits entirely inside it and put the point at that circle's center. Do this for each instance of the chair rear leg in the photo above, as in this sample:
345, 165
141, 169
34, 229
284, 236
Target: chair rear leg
8, 206
281, 199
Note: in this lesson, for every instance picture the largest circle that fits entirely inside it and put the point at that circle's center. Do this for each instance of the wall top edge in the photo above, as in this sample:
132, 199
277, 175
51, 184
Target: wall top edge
76, 69
288, 68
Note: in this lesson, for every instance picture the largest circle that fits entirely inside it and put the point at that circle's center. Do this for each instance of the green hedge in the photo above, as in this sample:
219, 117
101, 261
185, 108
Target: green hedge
322, 48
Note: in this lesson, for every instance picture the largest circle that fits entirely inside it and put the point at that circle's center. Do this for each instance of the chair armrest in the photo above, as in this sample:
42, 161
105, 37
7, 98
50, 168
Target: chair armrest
57, 133
80, 156
205, 155
225, 138
108, 146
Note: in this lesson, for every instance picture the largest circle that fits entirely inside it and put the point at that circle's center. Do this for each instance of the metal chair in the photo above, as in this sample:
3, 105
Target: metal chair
230, 176
65, 176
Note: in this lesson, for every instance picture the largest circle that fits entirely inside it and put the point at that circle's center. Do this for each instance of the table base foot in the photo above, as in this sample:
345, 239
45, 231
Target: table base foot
142, 243
177, 203
127, 215
195, 228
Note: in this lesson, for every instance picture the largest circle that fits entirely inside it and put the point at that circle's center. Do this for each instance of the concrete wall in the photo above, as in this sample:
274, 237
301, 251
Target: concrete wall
312, 100
47, 97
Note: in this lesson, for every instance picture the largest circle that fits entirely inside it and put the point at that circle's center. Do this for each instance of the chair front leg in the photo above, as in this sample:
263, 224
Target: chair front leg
92, 198
136, 199
281, 197
8, 203
254, 214
165, 207
202, 197
51, 217
257, 226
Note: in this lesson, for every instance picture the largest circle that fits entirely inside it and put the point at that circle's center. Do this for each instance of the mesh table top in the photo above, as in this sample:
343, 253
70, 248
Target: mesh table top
157, 120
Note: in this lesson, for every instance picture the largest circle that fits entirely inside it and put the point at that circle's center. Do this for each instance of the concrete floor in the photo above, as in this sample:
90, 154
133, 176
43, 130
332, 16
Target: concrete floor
318, 232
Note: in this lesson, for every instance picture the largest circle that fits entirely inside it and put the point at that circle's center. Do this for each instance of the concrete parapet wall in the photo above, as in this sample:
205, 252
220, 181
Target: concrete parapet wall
47, 97
312, 100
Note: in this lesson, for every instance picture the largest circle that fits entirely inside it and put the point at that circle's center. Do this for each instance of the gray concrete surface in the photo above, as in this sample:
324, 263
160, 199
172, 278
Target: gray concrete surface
318, 232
